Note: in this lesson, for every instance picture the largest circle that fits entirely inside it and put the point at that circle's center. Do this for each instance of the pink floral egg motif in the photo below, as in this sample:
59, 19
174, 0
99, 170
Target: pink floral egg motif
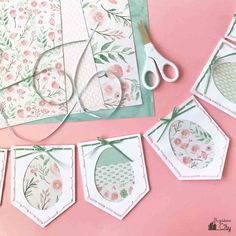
42, 183
114, 176
191, 144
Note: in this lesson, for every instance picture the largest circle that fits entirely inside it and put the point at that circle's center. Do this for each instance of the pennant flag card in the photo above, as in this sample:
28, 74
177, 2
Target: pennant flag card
43, 181
3, 161
190, 143
217, 82
114, 173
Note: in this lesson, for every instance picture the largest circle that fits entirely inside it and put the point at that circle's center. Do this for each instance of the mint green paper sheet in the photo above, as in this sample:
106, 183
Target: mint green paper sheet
139, 12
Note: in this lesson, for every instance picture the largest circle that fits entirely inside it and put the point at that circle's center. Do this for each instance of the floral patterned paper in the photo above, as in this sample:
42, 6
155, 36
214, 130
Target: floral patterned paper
42, 183
113, 46
191, 144
27, 29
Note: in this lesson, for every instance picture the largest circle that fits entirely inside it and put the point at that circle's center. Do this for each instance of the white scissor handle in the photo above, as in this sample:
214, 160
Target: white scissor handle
161, 62
150, 67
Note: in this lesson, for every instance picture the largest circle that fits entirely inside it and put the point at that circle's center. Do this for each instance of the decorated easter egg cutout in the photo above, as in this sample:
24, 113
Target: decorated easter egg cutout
42, 184
191, 144
224, 76
114, 175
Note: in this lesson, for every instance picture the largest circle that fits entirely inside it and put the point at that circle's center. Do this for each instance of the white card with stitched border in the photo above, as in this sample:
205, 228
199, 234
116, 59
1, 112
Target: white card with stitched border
3, 161
30, 30
190, 143
114, 174
43, 181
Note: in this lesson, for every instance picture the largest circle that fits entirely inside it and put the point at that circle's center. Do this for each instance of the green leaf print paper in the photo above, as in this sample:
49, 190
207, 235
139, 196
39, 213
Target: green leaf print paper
114, 174
43, 181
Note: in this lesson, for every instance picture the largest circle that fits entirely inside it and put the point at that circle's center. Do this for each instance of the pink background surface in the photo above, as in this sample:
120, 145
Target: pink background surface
187, 32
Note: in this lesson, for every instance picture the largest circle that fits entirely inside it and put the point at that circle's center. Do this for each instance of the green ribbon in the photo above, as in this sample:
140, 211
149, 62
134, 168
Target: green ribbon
104, 142
209, 70
176, 112
40, 149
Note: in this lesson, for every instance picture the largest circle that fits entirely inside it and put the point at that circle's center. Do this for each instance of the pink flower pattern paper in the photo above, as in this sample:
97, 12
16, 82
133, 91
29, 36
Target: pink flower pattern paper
27, 29
191, 144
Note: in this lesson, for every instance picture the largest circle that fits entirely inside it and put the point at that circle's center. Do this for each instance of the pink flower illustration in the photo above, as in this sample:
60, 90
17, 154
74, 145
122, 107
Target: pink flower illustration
20, 113
51, 35
57, 184
195, 149
114, 196
108, 89
116, 70
41, 103
24, 42
1, 69
34, 4
43, 4
185, 133
45, 111
125, 86
204, 155
13, 13
52, 21
113, 1
28, 108
9, 99
27, 53
58, 66
177, 141
34, 170
9, 77
187, 160
55, 85
184, 145
20, 91
97, 16
13, 35
54, 169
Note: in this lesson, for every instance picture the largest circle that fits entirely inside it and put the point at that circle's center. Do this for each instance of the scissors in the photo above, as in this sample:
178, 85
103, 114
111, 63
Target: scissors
155, 60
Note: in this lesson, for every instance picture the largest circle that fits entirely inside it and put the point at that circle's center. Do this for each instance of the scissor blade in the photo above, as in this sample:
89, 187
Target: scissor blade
144, 33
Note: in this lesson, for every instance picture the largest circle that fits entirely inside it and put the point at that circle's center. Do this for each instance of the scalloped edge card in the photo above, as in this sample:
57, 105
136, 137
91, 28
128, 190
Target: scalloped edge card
114, 173
43, 181
190, 143
217, 82
3, 162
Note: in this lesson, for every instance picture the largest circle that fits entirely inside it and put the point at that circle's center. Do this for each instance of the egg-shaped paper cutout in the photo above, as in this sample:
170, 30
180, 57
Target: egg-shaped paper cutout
191, 144
114, 175
42, 184
224, 76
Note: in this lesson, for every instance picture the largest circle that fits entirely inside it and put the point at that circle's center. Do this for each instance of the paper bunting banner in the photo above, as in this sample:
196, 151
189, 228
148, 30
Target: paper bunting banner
114, 174
43, 181
190, 143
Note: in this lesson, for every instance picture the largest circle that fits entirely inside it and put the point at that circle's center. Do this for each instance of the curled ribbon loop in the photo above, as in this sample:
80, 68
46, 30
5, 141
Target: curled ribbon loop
176, 112
75, 90
40, 149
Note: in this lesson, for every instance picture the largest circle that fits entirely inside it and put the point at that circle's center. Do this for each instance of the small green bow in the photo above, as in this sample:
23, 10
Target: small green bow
104, 142
176, 112
40, 149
